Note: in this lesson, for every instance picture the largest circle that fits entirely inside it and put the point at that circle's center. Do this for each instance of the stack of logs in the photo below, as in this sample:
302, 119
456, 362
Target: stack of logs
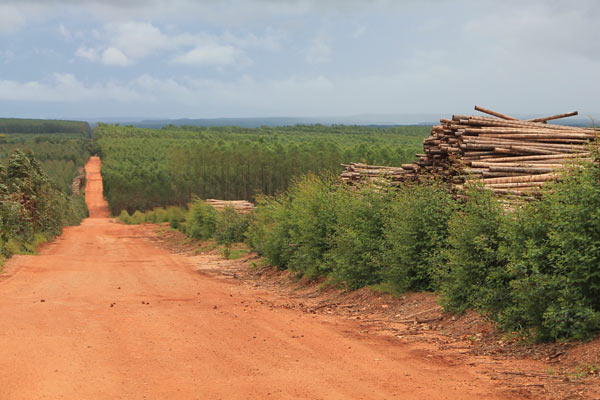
78, 182
241, 206
512, 157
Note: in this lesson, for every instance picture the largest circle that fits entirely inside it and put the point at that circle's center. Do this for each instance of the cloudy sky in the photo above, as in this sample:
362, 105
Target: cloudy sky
244, 58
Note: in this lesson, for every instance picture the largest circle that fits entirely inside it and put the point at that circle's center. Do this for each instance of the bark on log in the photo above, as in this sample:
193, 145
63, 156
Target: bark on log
494, 113
552, 117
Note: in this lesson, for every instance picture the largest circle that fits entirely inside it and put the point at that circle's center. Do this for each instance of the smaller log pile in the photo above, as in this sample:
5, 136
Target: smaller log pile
512, 157
241, 206
78, 182
356, 172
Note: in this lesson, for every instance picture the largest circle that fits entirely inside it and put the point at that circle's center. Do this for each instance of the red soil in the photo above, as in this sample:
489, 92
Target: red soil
101, 313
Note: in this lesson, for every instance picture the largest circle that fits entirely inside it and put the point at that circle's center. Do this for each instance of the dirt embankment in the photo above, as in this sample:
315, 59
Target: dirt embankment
106, 312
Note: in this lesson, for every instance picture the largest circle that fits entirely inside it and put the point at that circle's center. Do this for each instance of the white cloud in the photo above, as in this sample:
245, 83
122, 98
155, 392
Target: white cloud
65, 88
64, 32
139, 39
210, 54
126, 43
87, 53
318, 52
114, 56
11, 19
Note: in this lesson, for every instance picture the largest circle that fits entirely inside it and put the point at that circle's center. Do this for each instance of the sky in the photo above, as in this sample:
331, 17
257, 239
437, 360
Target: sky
296, 58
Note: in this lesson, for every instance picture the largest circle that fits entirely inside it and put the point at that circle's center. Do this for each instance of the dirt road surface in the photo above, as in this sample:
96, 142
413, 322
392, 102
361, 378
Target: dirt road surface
101, 313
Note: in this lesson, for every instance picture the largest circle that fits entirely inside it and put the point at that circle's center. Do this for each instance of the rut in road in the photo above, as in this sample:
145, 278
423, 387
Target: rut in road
101, 313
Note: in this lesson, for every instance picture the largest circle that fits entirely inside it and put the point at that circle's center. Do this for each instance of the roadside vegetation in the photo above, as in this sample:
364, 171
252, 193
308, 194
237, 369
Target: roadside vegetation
61, 155
33, 209
38, 161
532, 270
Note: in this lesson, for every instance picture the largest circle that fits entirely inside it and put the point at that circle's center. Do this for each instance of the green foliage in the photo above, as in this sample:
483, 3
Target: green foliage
176, 216
554, 255
474, 275
355, 250
125, 217
36, 126
137, 218
311, 221
146, 168
201, 221
533, 270
61, 156
32, 208
231, 226
415, 232
269, 231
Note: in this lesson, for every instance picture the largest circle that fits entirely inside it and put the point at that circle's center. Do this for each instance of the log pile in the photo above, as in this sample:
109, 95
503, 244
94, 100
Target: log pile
241, 206
78, 182
512, 157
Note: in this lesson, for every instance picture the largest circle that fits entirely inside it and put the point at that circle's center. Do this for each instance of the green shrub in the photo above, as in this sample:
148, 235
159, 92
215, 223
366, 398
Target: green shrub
150, 216
137, 218
125, 217
160, 215
475, 275
13, 246
231, 226
38, 239
415, 232
175, 216
312, 223
201, 221
269, 230
554, 255
355, 253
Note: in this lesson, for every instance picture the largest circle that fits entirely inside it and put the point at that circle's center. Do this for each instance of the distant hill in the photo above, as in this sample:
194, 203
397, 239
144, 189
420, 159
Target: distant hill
379, 120
37, 126
366, 120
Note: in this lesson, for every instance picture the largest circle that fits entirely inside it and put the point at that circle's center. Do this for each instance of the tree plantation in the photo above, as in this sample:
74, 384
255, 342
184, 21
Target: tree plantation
37, 126
144, 168
61, 155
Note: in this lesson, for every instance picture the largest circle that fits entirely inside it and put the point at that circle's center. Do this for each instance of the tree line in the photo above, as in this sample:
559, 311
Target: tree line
19, 125
145, 168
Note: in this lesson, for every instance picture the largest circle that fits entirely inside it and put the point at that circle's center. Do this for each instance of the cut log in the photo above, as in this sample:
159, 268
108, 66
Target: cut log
552, 117
520, 179
494, 113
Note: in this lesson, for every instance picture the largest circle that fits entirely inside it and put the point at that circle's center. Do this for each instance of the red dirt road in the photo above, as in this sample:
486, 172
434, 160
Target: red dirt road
101, 313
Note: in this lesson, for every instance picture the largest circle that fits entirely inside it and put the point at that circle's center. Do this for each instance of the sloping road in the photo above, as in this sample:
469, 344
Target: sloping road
101, 313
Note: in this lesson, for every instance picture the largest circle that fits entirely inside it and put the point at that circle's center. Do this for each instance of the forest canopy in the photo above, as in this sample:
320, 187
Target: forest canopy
18, 125
147, 168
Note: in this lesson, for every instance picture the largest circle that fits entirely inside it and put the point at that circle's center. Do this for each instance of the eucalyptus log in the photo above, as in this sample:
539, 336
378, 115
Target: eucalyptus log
494, 113
552, 117
520, 179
